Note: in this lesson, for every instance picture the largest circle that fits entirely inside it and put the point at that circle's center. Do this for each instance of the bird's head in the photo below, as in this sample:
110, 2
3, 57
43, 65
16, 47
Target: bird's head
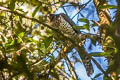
52, 17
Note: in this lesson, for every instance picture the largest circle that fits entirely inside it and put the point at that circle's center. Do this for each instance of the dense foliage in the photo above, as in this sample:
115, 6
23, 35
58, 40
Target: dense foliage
29, 51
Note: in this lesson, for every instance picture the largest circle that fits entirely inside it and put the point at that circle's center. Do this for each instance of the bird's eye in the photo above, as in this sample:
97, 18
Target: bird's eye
52, 17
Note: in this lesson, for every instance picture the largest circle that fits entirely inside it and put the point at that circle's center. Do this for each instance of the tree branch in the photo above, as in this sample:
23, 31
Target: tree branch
71, 66
22, 15
103, 14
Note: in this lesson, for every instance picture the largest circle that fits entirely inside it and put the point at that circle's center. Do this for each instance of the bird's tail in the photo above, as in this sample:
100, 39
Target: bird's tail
86, 60
88, 65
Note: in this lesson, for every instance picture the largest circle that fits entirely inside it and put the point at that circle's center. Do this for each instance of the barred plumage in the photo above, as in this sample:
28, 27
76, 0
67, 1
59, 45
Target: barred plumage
59, 21
65, 25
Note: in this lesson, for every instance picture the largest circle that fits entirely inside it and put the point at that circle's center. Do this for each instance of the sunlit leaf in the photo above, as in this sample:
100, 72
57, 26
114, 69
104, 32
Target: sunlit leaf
78, 27
98, 54
107, 6
12, 42
32, 40
21, 35
86, 26
19, 40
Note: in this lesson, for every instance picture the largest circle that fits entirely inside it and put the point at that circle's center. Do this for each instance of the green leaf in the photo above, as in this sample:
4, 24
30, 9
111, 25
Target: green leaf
78, 27
84, 20
35, 11
54, 73
47, 41
3, 38
19, 28
32, 40
97, 54
21, 35
107, 6
19, 40
12, 42
86, 26
116, 50
12, 4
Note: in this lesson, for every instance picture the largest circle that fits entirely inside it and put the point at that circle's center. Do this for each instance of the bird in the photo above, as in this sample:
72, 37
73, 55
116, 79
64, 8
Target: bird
64, 24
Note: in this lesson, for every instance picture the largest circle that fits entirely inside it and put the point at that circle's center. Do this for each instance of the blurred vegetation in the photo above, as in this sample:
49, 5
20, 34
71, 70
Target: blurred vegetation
27, 44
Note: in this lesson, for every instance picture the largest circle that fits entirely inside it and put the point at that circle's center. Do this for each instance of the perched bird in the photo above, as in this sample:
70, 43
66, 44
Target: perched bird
64, 24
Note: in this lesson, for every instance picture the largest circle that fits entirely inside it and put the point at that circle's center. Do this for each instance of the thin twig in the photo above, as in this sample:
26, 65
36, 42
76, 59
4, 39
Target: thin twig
62, 72
98, 65
82, 7
68, 68
4, 51
3, 77
71, 66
